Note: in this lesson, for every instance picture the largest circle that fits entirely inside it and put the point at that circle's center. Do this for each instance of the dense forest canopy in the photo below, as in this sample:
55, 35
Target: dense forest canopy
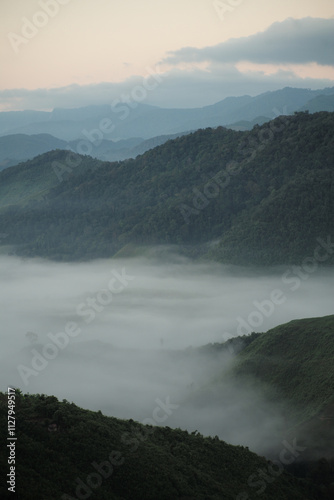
263, 196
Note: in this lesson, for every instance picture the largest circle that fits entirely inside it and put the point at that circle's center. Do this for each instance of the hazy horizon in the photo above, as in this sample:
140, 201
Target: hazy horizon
98, 52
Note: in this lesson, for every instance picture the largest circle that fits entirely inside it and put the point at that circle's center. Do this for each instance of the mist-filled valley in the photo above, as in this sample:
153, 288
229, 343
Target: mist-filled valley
177, 307
167, 250
126, 335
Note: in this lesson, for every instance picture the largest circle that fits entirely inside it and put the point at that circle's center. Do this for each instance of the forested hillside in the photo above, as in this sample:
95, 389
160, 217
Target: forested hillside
263, 197
297, 359
66, 452
293, 365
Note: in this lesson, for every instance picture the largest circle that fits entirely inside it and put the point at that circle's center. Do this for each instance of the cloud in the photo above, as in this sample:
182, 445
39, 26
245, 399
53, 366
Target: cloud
196, 87
293, 41
71, 96
210, 74
179, 88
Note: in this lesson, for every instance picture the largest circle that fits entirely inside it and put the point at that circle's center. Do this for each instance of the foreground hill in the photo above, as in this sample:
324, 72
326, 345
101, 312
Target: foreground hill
296, 359
264, 196
292, 365
66, 452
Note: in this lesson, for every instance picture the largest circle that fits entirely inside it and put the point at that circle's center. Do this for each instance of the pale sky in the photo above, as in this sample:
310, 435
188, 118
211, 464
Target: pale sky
48, 46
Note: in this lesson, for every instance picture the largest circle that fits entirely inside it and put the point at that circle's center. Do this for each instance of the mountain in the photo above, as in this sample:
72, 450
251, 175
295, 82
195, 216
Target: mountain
21, 147
124, 121
124, 148
263, 196
303, 202
121, 132
293, 364
319, 103
66, 452
10, 120
248, 125
144, 146
33, 179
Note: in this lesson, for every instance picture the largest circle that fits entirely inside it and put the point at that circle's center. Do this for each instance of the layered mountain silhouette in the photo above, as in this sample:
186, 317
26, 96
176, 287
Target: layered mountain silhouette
146, 121
263, 196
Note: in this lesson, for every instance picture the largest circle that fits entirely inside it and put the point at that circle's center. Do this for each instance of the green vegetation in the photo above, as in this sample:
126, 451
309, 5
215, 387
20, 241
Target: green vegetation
292, 367
264, 195
31, 181
297, 360
59, 444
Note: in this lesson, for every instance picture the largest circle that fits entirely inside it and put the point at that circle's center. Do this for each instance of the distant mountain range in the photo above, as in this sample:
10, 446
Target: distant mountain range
90, 130
146, 121
263, 196
22, 147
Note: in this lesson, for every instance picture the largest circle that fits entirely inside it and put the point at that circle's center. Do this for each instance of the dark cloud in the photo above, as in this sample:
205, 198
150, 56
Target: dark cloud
293, 41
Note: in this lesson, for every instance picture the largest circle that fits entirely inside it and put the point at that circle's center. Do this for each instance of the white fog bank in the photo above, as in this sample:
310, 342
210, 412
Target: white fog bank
112, 334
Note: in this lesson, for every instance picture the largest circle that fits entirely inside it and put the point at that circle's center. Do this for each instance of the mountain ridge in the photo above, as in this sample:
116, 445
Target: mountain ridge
65, 446
174, 463
18, 148
146, 120
264, 196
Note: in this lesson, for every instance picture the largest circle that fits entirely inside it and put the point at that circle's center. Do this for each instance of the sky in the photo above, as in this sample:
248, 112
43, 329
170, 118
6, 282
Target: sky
70, 53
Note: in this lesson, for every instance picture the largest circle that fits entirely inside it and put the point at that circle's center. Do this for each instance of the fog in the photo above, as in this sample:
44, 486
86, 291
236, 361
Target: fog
121, 336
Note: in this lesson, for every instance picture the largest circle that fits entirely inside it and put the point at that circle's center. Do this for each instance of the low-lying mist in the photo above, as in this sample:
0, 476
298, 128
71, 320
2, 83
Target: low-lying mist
122, 336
